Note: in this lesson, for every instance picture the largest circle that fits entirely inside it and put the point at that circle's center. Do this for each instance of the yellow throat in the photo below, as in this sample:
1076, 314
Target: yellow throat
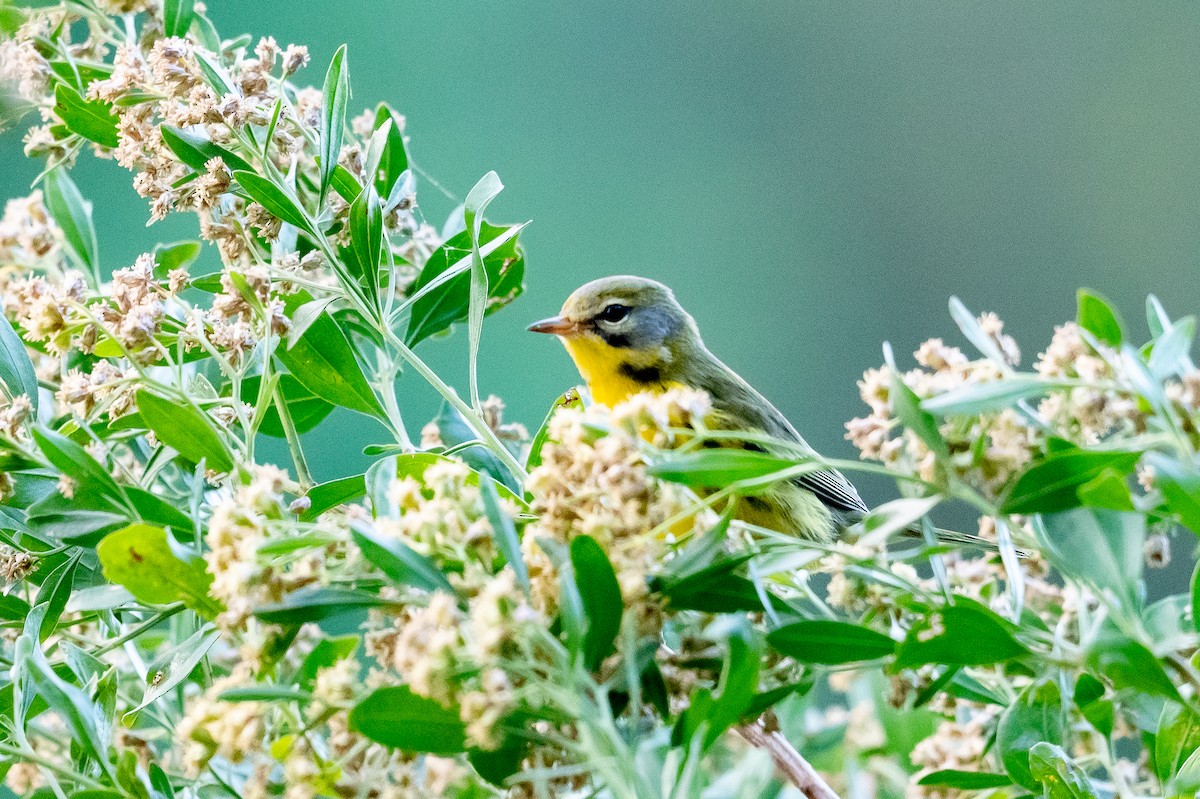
600, 366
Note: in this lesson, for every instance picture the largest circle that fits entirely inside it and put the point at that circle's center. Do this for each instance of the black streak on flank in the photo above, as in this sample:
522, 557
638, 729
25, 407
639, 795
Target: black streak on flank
641, 374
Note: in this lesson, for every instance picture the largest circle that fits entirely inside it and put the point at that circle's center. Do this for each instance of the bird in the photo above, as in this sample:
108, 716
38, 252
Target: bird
628, 335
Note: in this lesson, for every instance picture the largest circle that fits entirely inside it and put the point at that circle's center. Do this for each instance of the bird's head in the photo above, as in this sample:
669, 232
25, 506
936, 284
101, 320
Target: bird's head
623, 329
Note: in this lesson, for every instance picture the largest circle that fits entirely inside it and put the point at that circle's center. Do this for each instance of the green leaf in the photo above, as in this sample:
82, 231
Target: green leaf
394, 161
76, 74
326, 653
54, 593
213, 74
16, 369
1177, 738
345, 184
964, 780
497, 765
94, 120
13, 608
717, 468
265, 693
177, 17
1036, 716
1089, 698
1052, 483
454, 431
601, 595
1130, 665
196, 151
395, 716
715, 589
173, 668
1156, 316
155, 569
898, 516
569, 399
504, 532
1060, 778
315, 604
1109, 490
333, 117
378, 482
1138, 375
736, 689
331, 494
446, 283
185, 429
572, 618
74, 706
830, 642
87, 516
971, 400
972, 635
1101, 547
400, 562
74, 215
91, 479
178, 255
275, 199
478, 199
1169, 355
970, 328
366, 238
1196, 598
323, 360
1180, 486
414, 464
1096, 316
907, 407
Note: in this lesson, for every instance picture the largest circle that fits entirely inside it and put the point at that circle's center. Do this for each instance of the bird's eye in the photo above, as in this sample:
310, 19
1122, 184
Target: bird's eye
614, 313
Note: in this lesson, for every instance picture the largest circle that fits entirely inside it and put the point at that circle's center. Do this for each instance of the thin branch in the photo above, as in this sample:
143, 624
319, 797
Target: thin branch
791, 763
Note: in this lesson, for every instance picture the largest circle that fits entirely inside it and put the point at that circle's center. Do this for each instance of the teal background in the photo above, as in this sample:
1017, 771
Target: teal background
812, 178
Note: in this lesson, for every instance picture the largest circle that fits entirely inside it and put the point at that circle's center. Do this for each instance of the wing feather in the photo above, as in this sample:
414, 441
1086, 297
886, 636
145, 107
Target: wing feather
832, 488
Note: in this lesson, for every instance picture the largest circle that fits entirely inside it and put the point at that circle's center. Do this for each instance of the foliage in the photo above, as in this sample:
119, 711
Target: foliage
483, 613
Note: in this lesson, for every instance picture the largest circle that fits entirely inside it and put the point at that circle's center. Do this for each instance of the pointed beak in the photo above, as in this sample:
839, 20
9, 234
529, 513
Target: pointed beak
555, 326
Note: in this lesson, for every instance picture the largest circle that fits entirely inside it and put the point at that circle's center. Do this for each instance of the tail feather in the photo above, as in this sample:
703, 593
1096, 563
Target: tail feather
945, 536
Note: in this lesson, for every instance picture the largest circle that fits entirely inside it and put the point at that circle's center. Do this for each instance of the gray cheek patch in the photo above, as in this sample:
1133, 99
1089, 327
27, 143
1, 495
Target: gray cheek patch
651, 327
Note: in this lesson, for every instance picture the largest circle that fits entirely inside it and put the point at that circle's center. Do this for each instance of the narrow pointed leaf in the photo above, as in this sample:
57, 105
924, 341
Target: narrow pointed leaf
74, 215
16, 369
333, 117
271, 197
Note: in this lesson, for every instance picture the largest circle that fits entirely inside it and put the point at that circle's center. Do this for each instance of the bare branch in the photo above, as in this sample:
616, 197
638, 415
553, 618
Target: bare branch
790, 762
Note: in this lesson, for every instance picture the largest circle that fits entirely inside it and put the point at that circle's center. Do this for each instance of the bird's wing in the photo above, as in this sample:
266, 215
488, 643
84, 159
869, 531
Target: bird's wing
738, 405
832, 488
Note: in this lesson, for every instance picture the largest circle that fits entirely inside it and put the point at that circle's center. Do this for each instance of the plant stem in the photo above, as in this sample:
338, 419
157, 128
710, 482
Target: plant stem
790, 762
472, 418
293, 440
134, 632
33, 757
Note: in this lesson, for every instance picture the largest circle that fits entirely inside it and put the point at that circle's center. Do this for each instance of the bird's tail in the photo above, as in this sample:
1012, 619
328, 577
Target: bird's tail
945, 536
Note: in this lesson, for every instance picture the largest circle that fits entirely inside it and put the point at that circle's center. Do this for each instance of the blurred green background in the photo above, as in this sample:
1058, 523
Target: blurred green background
812, 178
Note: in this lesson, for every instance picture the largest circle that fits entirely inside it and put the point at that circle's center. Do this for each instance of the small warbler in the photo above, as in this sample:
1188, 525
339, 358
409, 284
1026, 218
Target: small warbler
629, 335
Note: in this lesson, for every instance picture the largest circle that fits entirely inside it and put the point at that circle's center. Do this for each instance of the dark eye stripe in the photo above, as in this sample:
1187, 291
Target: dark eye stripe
612, 339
